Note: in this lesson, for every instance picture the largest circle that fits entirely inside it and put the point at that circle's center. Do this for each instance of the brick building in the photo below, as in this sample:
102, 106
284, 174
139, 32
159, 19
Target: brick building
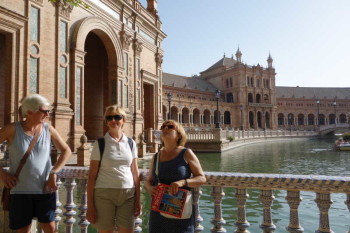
82, 60
249, 99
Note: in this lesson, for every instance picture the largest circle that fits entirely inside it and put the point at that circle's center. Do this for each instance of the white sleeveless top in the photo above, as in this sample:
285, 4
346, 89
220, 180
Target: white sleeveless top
38, 165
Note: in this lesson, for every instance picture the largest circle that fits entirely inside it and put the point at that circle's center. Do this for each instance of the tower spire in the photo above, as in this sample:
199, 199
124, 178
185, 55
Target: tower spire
269, 61
238, 55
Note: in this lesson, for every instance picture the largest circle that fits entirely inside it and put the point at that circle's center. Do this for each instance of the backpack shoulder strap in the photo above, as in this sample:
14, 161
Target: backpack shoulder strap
131, 144
101, 146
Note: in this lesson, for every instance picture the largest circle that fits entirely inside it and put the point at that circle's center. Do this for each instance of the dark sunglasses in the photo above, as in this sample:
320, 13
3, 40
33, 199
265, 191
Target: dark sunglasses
167, 126
45, 111
114, 117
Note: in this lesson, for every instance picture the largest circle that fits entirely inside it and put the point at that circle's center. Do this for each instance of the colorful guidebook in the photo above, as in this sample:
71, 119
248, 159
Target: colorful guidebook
166, 203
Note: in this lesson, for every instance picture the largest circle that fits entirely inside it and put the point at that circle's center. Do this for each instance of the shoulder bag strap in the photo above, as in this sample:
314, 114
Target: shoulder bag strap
26, 155
157, 163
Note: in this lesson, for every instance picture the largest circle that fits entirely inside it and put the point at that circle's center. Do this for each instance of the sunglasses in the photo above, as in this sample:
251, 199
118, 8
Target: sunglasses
45, 111
167, 126
114, 117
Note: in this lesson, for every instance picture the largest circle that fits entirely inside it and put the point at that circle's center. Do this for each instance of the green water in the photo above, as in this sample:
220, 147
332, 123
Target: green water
288, 157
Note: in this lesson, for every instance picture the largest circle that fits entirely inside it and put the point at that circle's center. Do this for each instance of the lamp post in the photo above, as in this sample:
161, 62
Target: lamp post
318, 112
170, 96
241, 108
335, 113
217, 95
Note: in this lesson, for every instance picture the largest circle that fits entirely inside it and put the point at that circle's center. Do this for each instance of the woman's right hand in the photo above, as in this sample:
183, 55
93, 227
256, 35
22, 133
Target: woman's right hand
152, 190
91, 215
8, 179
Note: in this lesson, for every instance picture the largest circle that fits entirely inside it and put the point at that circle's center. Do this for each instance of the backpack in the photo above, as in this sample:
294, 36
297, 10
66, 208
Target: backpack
101, 146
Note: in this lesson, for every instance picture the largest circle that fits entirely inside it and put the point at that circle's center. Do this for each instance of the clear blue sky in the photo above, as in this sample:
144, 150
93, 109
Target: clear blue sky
309, 40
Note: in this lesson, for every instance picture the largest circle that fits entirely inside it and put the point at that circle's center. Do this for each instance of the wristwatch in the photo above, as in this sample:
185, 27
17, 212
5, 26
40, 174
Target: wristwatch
53, 172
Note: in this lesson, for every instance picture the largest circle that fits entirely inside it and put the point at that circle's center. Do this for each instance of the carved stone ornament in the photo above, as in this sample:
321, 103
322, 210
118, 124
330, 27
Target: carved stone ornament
125, 39
64, 8
159, 58
137, 46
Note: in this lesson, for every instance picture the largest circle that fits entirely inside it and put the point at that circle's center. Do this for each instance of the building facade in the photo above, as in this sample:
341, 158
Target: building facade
250, 99
82, 59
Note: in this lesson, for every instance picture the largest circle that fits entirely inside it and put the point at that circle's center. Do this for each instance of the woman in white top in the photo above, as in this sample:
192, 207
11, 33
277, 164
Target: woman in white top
113, 187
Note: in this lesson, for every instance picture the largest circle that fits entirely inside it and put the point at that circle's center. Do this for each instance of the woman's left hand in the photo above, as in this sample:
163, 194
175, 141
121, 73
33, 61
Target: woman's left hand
51, 185
174, 186
137, 208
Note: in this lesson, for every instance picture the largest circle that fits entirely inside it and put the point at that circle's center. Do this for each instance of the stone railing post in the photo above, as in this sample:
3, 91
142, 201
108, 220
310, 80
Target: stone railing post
154, 145
58, 211
69, 206
267, 197
83, 153
83, 223
293, 198
324, 203
141, 146
218, 222
217, 134
242, 223
196, 193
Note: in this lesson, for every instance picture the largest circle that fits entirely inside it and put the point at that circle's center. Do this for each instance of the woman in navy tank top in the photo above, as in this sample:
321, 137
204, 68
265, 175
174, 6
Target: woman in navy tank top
178, 167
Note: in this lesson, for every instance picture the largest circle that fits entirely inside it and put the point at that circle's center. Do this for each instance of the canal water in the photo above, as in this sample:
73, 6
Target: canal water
283, 157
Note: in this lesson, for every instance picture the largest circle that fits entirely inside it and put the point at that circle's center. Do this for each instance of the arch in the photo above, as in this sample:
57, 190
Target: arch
267, 120
206, 119
280, 119
251, 119
259, 117
258, 98
301, 119
290, 119
250, 98
185, 115
174, 113
342, 118
216, 119
322, 119
227, 118
196, 116
229, 97
266, 99
331, 118
101, 28
311, 119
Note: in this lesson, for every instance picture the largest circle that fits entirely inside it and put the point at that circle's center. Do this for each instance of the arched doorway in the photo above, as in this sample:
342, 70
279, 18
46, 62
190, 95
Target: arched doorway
165, 113
280, 120
185, 116
174, 113
342, 118
259, 118
206, 117
311, 119
5, 79
196, 116
95, 86
251, 119
227, 118
267, 120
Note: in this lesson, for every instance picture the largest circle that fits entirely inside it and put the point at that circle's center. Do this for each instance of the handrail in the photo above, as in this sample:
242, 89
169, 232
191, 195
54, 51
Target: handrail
323, 186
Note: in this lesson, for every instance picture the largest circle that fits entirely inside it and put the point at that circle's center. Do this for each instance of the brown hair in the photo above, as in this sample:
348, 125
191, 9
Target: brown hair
180, 131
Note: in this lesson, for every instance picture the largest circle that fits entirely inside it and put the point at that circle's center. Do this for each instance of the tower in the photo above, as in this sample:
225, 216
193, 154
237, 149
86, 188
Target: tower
239, 55
269, 61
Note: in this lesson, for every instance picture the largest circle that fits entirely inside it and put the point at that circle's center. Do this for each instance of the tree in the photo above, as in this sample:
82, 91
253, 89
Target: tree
73, 2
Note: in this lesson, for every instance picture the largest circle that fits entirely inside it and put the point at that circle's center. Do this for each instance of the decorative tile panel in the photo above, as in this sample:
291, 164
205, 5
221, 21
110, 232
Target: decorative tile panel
63, 82
33, 75
78, 96
63, 36
34, 23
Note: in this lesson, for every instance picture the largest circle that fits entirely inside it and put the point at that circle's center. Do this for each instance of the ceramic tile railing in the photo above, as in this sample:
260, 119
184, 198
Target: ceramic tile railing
74, 208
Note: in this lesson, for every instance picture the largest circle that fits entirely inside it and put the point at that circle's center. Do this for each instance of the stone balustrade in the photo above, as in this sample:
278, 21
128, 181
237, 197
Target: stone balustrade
73, 180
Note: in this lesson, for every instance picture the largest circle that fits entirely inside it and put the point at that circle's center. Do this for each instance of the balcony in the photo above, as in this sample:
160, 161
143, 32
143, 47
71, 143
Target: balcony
72, 183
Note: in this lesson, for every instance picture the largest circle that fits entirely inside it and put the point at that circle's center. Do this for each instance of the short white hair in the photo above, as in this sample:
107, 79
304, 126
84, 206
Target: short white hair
33, 103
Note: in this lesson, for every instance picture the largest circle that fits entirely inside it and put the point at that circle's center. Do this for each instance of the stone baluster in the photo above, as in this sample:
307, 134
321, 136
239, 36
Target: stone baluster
69, 206
138, 223
83, 223
196, 193
58, 211
217, 194
293, 198
324, 203
267, 197
347, 202
242, 224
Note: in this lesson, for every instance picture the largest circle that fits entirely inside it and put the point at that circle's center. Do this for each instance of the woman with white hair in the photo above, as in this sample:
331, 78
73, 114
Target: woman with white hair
33, 191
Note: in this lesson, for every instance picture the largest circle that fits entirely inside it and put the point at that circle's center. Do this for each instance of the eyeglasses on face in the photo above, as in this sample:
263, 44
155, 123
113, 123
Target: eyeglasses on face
167, 127
45, 111
114, 117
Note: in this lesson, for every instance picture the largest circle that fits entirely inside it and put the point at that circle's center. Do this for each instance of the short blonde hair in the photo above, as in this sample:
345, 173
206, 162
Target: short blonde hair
115, 109
33, 103
180, 131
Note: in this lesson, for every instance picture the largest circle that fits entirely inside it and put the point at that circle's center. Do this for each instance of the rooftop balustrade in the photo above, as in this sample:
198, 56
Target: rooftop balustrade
72, 183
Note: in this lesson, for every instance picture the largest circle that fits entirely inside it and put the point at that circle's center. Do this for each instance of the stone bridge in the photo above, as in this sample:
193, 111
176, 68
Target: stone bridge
325, 129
